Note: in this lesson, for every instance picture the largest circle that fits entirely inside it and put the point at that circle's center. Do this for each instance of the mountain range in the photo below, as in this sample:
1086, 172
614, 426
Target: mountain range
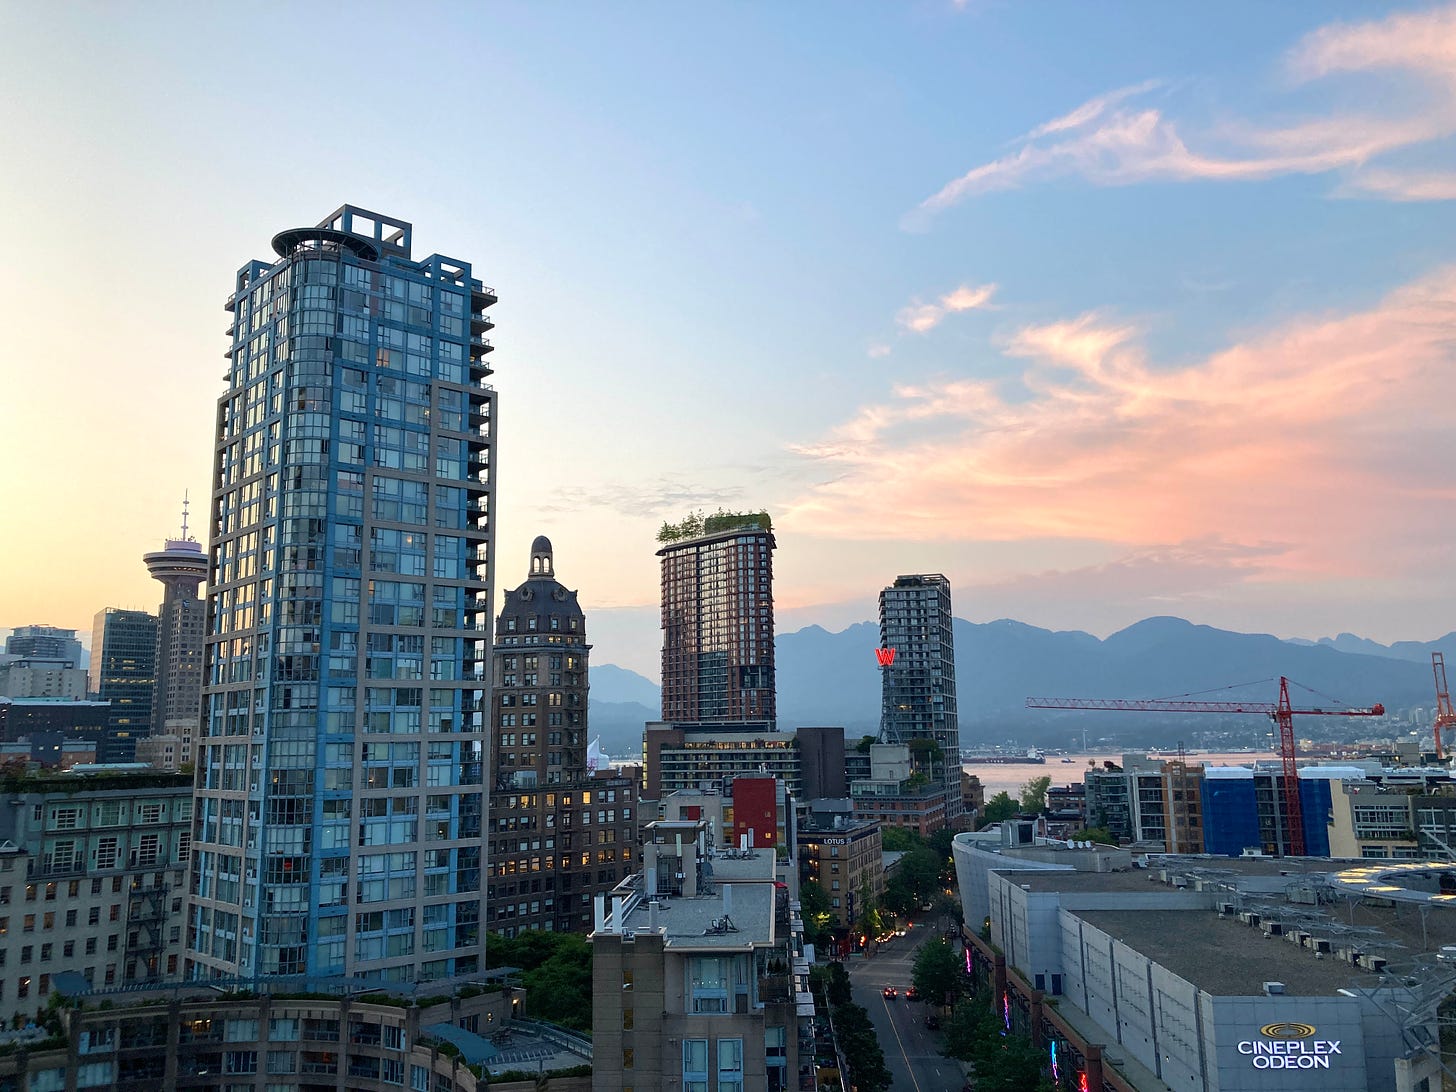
831, 678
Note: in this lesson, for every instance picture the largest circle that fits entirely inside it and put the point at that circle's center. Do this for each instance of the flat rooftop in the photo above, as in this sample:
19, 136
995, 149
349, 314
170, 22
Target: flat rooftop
754, 865
697, 922
1051, 879
1224, 957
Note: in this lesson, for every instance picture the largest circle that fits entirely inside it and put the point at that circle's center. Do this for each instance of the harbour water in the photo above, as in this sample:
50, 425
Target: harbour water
1010, 776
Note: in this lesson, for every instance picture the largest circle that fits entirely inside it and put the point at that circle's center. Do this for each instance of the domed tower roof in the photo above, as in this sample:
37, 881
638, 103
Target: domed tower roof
541, 566
541, 603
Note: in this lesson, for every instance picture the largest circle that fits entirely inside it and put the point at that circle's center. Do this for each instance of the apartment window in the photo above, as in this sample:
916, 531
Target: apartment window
730, 1065
709, 978
695, 1065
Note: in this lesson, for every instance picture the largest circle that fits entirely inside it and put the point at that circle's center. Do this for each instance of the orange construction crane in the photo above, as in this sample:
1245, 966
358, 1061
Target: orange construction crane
1445, 716
1281, 712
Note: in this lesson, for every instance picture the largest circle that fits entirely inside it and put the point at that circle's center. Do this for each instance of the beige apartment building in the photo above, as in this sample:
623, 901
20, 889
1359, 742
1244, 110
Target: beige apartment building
93, 871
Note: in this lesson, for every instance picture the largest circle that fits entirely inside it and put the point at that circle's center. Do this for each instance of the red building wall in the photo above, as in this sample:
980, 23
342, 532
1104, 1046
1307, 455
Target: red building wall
755, 809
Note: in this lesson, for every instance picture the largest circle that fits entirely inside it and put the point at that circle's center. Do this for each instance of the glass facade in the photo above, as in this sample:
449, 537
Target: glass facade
124, 673
919, 687
341, 773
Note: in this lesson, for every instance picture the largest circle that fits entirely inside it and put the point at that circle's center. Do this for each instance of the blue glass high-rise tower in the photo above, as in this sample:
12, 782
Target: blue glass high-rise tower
340, 807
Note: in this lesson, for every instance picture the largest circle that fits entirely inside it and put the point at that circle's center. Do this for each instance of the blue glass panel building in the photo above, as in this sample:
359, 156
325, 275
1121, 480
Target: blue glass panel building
340, 799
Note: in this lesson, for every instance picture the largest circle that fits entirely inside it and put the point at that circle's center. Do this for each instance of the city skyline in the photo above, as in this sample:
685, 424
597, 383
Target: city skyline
1102, 315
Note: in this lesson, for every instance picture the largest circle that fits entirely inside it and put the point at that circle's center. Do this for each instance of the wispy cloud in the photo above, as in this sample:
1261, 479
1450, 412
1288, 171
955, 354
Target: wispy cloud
1405, 185
878, 351
921, 317
662, 497
1321, 435
1113, 140
1091, 110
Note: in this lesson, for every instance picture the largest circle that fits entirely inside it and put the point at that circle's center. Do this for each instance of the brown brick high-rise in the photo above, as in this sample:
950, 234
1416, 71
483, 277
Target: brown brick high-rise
718, 627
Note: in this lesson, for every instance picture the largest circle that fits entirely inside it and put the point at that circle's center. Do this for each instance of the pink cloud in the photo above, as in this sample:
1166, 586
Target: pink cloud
1090, 110
1110, 142
921, 317
1406, 185
1318, 435
1423, 41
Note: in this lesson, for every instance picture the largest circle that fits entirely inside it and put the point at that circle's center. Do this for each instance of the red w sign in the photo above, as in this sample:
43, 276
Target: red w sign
885, 656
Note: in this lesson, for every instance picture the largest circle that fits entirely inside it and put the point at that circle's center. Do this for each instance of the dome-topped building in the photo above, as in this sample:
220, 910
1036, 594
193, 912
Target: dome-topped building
541, 778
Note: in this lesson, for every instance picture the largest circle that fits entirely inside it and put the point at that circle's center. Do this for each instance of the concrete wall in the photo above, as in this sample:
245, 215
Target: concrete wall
973, 864
1236, 1020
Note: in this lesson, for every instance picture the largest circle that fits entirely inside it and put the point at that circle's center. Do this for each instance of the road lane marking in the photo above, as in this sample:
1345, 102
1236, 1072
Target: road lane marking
908, 1067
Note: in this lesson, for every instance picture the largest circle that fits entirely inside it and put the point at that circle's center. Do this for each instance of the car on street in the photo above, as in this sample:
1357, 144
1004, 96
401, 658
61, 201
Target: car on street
890, 993
932, 1021
912, 994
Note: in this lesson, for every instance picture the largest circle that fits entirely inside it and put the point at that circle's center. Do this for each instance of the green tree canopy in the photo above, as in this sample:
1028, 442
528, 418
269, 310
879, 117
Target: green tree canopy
816, 911
941, 841
936, 972
997, 809
556, 971
1034, 793
1004, 1062
898, 839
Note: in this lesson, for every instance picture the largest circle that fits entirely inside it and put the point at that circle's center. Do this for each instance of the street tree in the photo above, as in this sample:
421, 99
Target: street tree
818, 915
936, 972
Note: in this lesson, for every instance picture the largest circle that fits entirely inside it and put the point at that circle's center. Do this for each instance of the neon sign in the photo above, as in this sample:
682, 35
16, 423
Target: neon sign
1056, 1069
885, 656
1006, 1009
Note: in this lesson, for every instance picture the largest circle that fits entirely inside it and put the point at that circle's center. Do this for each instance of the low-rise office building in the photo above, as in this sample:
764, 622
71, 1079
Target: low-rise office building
844, 857
1208, 974
809, 761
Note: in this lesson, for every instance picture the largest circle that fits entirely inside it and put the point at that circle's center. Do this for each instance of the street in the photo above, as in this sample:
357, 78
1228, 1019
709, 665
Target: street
912, 1052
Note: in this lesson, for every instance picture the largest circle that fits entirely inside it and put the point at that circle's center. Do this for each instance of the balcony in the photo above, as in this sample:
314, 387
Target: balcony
774, 989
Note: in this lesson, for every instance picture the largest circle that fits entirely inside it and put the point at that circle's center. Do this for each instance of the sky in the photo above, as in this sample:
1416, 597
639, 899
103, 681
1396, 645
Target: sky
1104, 311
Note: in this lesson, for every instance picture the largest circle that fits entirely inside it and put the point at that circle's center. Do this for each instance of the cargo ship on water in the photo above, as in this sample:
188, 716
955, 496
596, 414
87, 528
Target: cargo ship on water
976, 757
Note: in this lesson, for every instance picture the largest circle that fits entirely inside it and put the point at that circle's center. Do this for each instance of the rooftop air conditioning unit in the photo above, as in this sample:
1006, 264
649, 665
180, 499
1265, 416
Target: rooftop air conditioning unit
1273, 989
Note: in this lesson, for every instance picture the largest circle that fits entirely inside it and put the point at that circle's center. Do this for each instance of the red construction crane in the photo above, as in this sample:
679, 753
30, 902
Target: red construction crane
1281, 712
1445, 715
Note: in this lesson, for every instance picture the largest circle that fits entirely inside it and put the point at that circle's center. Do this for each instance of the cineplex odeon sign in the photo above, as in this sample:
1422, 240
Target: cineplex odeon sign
1289, 1046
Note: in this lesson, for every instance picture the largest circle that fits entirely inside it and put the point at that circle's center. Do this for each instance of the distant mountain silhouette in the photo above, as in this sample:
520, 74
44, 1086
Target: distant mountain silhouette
1416, 651
610, 683
619, 724
832, 678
